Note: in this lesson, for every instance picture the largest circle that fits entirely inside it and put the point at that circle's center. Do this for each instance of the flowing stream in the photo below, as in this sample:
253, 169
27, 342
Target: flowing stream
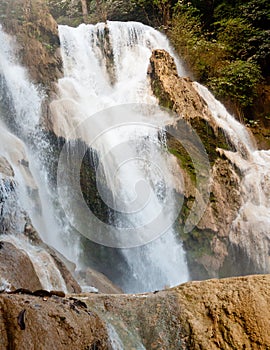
250, 229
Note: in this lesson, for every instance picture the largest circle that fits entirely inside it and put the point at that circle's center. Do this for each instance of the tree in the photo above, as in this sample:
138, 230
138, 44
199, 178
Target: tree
84, 10
161, 8
237, 81
164, 7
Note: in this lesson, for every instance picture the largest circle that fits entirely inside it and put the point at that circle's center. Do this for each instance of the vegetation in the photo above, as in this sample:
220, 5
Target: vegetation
74, 12
226, 44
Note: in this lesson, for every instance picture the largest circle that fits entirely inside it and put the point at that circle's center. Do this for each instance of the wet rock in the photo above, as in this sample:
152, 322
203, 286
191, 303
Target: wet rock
96, 279
5, 168
65, 267
207, 245
17, 268
210, 315
53, 325
62, 263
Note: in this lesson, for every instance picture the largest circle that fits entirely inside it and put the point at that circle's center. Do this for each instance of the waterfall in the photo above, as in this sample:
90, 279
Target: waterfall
105, 100
107, 113
44, 265
250, 229
24, 193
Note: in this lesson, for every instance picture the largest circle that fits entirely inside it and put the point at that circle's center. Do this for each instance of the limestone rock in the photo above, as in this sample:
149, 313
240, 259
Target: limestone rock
62, 263
210, 315
12, 217
15, 263
17, 268
49, 324
207, 245
226, 314
98, 280
64, 266
37, 36
5, 168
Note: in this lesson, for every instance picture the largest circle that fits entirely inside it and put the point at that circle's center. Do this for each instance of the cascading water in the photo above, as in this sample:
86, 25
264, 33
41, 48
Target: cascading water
105, 68
250, 229
21, 193
101, 101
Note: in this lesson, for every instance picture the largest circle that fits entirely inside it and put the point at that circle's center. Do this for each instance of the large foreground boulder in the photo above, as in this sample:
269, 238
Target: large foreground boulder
210, 315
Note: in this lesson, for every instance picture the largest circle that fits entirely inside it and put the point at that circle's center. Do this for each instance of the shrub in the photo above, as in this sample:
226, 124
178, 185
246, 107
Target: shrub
238, 81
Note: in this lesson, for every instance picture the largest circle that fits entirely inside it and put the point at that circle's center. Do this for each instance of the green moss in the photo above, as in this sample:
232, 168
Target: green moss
197, 244
159, 92
185, 161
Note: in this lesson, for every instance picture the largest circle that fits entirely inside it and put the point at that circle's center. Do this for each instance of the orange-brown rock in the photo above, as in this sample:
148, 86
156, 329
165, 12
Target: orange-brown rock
50, 323
207, 244
37, 38
210, 315
98, 280
16, 268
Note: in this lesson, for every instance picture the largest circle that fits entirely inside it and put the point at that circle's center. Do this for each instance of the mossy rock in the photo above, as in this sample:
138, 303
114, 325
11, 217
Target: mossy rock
37, 38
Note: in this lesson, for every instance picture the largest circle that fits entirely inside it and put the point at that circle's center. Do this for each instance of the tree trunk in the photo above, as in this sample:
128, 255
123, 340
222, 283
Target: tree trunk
84, 11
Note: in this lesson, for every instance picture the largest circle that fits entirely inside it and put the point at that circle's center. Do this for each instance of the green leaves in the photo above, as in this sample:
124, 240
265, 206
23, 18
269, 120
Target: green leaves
257, 12
235, 34
226, 45
237, 81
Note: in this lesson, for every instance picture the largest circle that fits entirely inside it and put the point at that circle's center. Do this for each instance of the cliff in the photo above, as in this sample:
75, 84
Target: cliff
216, 314
36, 36
210, 246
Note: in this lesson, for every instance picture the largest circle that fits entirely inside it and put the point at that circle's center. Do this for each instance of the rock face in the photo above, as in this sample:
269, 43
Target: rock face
207, 245
226, 314
37, 36
17, 235
100, 281
24, 258
12, 218
216, 314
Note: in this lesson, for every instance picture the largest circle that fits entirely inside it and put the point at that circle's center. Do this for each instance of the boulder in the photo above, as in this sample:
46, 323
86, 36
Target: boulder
48, 323
98, 280
16, 268
210, 315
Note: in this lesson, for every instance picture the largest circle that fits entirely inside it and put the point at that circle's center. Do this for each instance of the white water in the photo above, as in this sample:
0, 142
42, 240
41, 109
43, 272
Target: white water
128, 340
23, 112
250, 229
132, 153
134, 166
115, 341
20, 110
4, 285
44, 265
